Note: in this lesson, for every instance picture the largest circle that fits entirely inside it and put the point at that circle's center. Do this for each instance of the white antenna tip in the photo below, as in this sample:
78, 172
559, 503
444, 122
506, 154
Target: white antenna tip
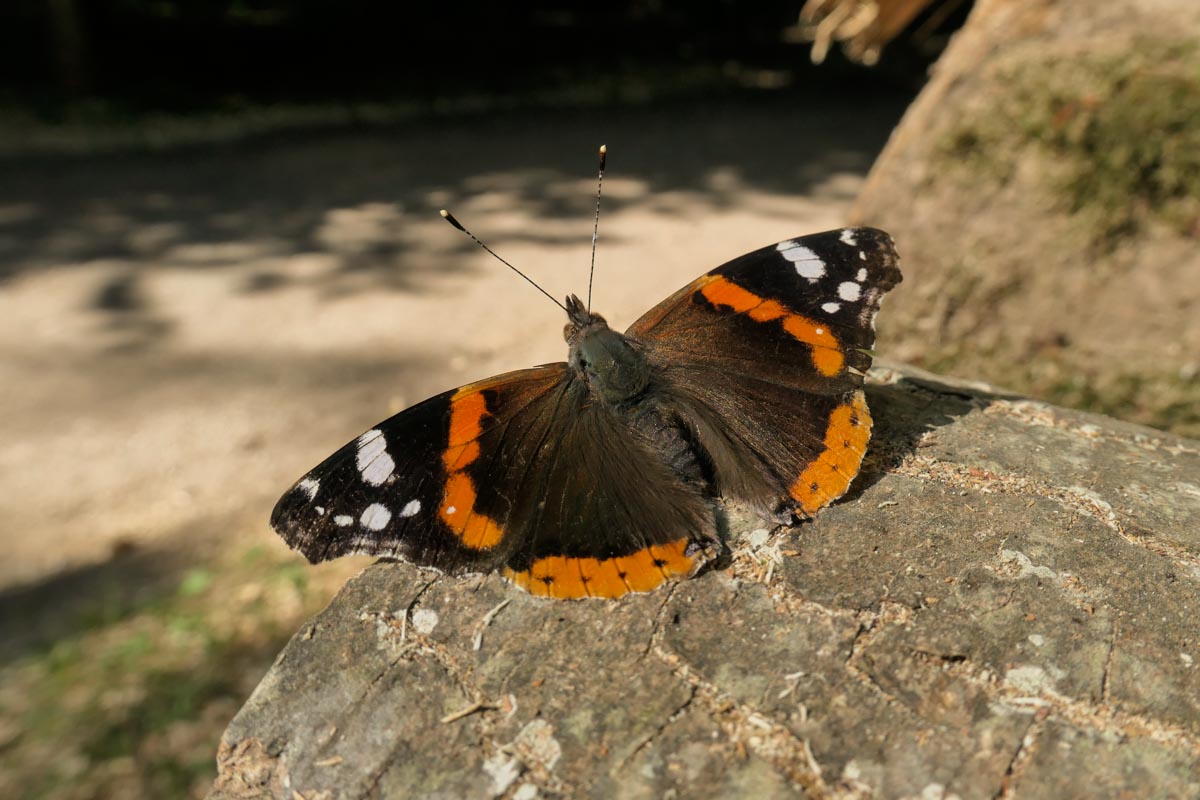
446, 215
603, 149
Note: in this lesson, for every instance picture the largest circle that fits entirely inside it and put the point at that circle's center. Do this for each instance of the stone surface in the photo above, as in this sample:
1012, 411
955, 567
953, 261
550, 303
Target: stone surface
1006, 605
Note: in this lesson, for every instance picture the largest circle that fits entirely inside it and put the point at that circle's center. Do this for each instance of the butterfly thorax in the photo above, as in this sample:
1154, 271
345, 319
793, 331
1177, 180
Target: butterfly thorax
607, 361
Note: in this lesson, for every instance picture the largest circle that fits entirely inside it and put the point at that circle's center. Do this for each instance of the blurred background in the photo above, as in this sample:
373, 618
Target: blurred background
220, 259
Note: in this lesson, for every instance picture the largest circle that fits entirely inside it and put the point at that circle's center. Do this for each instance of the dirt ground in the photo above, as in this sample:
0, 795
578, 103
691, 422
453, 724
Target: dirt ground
183, 335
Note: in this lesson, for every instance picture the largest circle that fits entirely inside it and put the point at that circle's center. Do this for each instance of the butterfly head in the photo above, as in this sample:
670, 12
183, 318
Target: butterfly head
605, 359
580, 319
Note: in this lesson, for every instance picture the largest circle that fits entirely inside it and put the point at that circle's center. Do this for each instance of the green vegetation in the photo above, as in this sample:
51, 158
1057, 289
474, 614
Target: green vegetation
1122, 133
1166, 401
133, 703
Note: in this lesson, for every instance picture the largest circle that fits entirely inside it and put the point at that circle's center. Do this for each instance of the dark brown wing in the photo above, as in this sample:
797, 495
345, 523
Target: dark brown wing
521, 472
403, 488
764, 357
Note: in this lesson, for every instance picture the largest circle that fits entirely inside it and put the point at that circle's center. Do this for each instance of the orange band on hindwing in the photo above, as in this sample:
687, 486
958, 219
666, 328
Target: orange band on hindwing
568, 578
827, 355
475, 530
827, 478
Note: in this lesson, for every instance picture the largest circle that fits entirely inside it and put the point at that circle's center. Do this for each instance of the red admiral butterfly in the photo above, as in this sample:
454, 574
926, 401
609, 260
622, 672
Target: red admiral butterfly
598, 477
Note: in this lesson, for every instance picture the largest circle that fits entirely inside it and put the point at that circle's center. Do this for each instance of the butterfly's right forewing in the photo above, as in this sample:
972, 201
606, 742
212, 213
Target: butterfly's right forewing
764, 357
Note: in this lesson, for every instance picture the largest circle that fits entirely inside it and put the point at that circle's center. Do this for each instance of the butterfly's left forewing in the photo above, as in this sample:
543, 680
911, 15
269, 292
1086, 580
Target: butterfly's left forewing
524, 473
406, 488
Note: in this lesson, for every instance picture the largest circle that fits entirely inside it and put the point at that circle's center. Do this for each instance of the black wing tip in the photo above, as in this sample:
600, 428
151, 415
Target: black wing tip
884, 248
298, 536
315, 549
863, 237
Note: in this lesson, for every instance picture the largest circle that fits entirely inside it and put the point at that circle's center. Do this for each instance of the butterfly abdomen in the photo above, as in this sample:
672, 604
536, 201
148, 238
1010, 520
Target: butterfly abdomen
668, 436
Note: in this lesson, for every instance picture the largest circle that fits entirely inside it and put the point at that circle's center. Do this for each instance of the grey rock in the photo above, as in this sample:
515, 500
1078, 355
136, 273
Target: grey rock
1007, 604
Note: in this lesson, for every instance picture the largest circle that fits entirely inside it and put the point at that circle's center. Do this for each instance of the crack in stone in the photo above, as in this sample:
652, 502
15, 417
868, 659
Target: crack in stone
658, 731
1108, 662
1080, 714
423, 646
889, 614
746, 727
534, 773
862, 637
1012, 593
656, 627
412, 604
1022, 755
417, 644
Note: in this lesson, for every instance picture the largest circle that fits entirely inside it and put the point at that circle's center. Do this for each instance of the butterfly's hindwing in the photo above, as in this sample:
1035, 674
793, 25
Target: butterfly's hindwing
589, 508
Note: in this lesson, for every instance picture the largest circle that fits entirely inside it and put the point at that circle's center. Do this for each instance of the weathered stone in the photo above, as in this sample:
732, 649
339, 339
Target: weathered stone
1005, 605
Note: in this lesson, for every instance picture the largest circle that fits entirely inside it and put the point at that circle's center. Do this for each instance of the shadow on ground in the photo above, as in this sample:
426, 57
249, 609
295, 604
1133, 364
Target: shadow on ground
347, 197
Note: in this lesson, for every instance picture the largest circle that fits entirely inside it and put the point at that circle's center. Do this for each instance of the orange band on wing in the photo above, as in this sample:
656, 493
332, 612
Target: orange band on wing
569, 578
828, 477
475, 530
826, 351
466, 410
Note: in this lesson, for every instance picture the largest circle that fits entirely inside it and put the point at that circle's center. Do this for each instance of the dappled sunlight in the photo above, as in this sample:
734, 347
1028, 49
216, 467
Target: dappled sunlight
360, 213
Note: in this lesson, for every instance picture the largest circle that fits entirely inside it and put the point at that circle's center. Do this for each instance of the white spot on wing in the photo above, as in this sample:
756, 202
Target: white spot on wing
808, 264
341, 520
849, 291
831, 308
373, 460
411, 508
862, 254
320, 511
450, 509
847, 237
379, 470
375, 517
862, 275
309, 486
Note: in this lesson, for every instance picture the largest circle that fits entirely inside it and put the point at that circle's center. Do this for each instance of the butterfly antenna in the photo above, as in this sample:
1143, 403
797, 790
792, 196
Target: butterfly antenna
596, 225
446, 215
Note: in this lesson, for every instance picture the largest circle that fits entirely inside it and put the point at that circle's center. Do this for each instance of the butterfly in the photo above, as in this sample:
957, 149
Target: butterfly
601, 475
